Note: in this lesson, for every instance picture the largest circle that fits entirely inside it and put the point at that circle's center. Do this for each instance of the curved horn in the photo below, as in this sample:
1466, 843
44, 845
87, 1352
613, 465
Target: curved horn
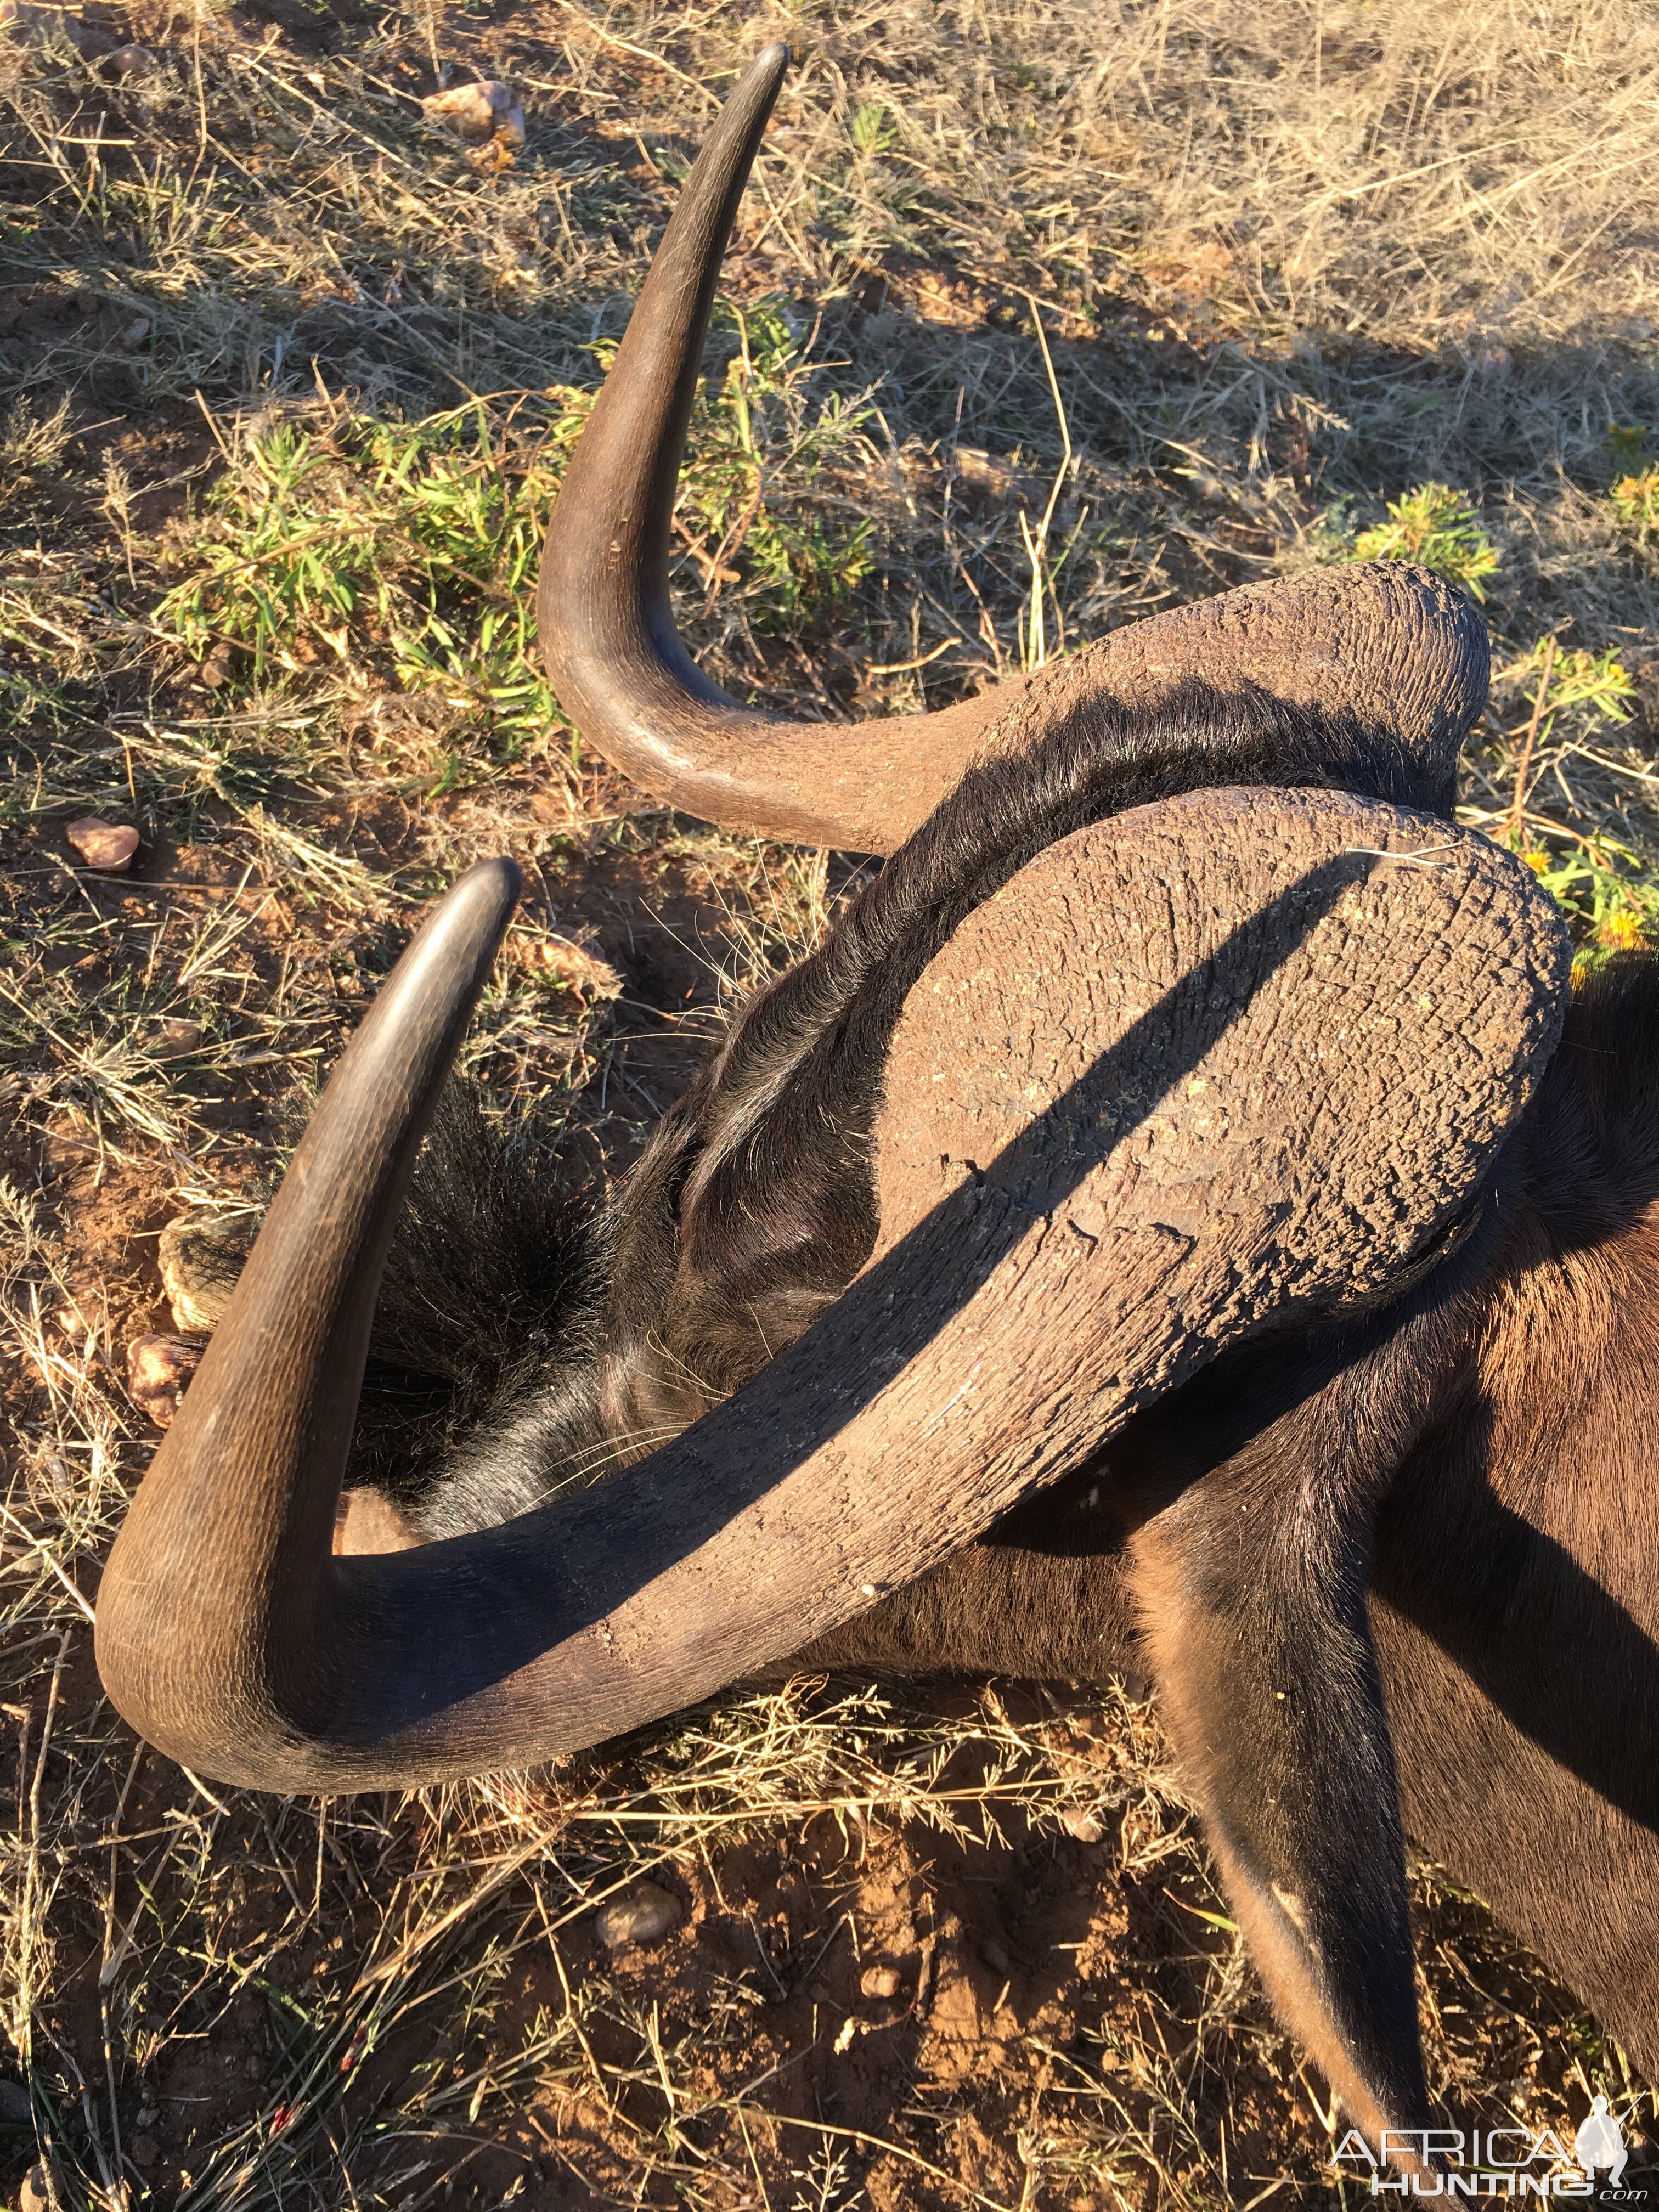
1125, 1127
1385, 645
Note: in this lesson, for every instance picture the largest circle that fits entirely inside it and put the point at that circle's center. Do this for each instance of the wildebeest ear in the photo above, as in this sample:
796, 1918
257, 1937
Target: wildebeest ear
1379, 646
1241, 1055
1251, 1588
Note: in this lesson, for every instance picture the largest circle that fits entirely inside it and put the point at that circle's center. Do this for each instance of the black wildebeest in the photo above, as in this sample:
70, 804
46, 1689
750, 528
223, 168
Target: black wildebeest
1176, 1212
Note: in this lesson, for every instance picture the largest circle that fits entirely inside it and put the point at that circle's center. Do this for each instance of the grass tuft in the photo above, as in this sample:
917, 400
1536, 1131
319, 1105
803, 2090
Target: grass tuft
1433, 525
405, 550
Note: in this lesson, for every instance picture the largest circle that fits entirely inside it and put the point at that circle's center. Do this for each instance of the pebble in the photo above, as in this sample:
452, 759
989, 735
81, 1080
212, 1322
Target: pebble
1085, 1827
16, 2111
222, 664
36, 2194
159, 1369
641, 1915
880, 1981
106, 846
486, 110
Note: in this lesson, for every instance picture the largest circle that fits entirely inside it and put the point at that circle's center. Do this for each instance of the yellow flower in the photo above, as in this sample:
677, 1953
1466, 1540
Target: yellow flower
1624, 931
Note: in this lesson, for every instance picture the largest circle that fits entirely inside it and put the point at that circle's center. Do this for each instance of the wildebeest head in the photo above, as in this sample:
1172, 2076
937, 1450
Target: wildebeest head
1238, 1056
1162, 1081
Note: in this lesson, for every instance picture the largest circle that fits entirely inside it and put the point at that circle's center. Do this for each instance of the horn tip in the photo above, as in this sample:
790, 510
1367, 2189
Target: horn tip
496, 883
479, 904
773, 59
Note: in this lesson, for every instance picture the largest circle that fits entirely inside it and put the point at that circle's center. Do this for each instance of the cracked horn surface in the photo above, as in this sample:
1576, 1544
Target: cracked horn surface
1226, 1129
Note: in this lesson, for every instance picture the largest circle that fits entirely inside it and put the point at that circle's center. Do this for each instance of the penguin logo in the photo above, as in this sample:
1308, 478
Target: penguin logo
1600, 2141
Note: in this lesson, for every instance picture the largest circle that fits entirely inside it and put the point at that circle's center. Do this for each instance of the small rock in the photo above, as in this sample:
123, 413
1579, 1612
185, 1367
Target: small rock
148, 2116
485, 110
67, 1146
955, 2011
994, 1957
16, 2111
37, 2193
879, 1982
641, 1915
145, 2149
1085, 1827
134, 332
128, 61
106, 846
225, 662
159, 1369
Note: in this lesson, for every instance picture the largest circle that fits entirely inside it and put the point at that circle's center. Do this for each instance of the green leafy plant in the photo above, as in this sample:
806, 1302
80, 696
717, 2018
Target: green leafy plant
1633, 496
754, 429
1435, 525
1603, 888
414, 545
1597, 682
410, 543
1602, 884
872, 129
475, 536
1635, 501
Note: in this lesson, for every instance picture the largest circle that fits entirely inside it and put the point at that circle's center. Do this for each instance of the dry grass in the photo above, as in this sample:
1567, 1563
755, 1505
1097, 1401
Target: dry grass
287, 382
